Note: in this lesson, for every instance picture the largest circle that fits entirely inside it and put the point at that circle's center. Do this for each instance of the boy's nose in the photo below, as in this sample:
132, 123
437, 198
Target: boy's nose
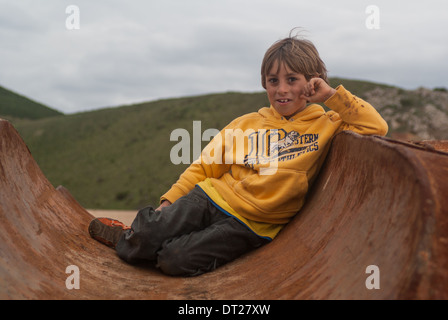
283, 87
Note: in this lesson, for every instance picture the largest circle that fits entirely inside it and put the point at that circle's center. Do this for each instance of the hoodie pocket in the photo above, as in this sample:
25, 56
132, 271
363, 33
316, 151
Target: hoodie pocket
279, 193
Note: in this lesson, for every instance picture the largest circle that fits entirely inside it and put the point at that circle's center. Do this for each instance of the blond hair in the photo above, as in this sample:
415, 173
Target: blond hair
299, 55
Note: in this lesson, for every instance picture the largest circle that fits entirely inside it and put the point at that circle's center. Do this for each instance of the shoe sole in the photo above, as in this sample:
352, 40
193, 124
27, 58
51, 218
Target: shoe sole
108, 235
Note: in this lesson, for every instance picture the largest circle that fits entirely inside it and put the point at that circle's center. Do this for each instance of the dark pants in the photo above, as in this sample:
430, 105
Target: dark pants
189, 237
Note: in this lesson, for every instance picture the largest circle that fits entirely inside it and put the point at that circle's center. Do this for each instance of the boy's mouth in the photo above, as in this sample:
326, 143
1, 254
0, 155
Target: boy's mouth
283, 101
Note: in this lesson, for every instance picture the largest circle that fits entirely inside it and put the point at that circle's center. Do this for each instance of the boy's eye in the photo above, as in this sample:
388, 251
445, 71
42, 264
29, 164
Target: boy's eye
292, 79
273, 80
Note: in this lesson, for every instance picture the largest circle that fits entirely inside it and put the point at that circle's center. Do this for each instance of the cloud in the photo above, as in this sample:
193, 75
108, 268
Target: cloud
131, 52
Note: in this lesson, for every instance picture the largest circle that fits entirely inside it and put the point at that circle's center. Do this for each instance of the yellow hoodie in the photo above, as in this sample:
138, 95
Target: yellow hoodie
259, 168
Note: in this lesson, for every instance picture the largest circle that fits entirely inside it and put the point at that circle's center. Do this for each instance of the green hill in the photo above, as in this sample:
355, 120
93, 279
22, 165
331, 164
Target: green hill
16, 106
119, 158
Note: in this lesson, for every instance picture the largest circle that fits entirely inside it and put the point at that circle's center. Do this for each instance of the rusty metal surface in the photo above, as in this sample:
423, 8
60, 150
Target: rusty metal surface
376, 202
441, 145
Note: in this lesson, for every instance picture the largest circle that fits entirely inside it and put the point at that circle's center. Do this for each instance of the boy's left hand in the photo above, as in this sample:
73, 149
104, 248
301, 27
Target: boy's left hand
317, 91
165, 203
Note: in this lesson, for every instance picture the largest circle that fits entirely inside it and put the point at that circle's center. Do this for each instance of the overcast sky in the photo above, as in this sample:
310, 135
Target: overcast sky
127, 52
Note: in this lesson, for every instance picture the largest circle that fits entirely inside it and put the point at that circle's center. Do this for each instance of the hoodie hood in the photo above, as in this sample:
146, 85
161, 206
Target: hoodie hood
310, 113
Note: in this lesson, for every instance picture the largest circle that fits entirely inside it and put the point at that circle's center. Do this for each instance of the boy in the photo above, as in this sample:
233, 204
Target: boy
252, 178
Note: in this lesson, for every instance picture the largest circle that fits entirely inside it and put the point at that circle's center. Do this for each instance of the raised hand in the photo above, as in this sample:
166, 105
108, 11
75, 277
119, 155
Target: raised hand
317, 91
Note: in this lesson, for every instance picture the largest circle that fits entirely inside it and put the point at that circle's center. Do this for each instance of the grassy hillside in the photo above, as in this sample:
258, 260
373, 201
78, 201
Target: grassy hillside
119, 158
357, 87
13, 105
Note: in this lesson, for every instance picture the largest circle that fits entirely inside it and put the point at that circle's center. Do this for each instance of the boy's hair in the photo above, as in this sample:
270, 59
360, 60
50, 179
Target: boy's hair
299, 55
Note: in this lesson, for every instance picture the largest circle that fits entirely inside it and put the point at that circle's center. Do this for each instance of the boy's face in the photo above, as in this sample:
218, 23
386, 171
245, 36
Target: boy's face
284, 88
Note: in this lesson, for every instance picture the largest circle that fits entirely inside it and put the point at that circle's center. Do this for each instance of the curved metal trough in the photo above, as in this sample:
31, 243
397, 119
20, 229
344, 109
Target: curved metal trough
376, 202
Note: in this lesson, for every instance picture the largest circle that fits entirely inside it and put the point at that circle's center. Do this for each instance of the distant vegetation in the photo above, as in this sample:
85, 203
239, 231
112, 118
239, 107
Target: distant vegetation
13, 105
119, 158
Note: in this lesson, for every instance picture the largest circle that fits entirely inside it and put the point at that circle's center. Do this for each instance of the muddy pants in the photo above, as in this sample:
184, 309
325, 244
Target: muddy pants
189, 237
